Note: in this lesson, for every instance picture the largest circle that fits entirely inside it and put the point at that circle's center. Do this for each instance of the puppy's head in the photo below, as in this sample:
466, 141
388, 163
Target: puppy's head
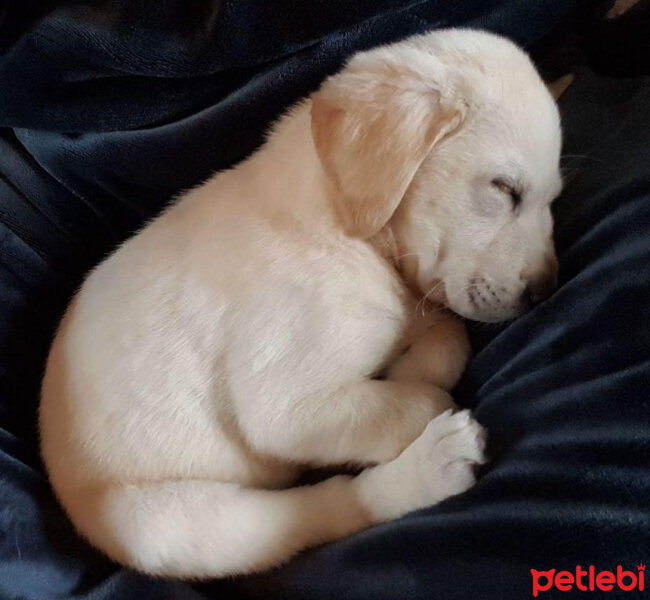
451, 142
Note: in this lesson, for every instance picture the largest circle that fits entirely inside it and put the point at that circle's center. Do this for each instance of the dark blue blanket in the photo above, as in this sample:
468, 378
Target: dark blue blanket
109, 108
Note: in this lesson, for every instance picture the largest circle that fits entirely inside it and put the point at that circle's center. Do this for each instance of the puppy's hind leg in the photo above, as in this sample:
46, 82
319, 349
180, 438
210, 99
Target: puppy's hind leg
207, 529
200, 529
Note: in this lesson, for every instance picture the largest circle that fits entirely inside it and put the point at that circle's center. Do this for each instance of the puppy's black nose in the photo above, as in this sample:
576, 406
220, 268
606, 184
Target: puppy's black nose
538, 290
542, 281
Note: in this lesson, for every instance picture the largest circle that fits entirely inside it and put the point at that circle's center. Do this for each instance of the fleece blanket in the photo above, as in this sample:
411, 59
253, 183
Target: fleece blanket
110, 108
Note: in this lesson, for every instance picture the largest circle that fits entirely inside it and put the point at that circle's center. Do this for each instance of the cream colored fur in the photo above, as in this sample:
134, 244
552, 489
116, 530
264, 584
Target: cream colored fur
236, 338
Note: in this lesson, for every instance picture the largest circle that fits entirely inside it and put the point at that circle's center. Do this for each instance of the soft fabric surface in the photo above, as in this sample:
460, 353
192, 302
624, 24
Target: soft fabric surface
110, 108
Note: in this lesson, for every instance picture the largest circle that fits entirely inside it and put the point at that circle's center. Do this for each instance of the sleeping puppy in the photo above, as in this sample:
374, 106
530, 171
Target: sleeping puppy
237, 338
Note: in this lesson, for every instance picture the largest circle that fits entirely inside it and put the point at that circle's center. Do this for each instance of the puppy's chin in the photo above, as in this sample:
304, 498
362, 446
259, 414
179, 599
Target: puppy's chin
483, 316
467, 303
485, 313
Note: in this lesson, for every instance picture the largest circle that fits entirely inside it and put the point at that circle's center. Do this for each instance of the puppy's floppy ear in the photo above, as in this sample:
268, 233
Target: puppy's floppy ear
374, 123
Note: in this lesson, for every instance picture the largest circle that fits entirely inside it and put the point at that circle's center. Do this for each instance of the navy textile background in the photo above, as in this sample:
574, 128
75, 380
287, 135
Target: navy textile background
109, 108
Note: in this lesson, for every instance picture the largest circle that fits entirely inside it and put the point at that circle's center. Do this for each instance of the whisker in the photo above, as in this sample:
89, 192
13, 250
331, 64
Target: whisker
426, 296
403, 255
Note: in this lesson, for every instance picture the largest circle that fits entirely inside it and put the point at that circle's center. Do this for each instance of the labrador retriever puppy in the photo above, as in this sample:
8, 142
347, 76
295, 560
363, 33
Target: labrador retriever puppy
237, 338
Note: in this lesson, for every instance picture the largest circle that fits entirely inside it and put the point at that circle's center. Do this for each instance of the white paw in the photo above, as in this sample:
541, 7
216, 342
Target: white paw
438, 464
445, 456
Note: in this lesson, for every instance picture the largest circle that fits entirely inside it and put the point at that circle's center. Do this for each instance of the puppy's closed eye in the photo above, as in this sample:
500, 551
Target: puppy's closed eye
508, 188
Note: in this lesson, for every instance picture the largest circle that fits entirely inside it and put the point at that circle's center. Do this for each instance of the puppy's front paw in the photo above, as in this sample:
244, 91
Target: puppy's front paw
446, 454
438, 464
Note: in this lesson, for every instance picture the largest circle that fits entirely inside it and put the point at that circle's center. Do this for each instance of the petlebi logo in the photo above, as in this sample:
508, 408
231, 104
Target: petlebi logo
589, 579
